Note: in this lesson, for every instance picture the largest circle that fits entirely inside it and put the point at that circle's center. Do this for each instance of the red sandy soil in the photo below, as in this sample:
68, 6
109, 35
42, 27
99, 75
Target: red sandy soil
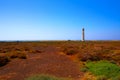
47, 62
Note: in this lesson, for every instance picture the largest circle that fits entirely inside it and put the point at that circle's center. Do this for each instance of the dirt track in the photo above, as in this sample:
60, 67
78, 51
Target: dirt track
47, 62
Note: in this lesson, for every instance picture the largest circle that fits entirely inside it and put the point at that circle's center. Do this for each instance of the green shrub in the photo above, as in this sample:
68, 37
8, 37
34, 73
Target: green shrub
116, 78
44, 77
104, 68
84, 69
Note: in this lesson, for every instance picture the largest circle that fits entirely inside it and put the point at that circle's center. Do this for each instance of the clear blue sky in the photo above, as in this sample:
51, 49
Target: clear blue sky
59, 19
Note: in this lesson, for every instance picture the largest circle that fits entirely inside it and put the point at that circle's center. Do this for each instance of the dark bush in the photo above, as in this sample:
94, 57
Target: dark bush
89, 57
84, 56
21, 55
71, 50
3, 60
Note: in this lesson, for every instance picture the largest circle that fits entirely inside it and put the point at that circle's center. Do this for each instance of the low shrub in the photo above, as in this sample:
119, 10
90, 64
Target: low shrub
104, 68
84, 57
71, 50
84, 69
88, 76
17, 54
89, 57
35, 51
102, 77
45, 77
3, 60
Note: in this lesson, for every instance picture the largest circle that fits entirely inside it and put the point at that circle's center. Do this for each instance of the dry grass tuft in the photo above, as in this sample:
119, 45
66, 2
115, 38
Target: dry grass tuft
20, 55
71, 50
3, 59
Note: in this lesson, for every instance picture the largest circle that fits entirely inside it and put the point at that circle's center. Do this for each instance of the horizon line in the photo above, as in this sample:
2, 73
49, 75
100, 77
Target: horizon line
49, 40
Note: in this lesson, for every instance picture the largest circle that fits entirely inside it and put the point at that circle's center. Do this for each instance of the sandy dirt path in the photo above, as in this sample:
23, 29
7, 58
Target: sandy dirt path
47, 62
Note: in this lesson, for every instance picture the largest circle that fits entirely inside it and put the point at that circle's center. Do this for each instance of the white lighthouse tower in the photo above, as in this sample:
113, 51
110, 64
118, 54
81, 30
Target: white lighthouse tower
83, 34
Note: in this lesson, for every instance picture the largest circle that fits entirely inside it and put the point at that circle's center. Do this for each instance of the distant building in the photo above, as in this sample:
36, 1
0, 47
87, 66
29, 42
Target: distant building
83, 34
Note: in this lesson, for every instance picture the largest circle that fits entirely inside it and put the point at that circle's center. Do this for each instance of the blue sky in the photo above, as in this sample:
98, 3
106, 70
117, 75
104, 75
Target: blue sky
59, 19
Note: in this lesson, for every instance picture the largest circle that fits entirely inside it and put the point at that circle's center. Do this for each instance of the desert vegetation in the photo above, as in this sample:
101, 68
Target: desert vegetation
104, 70
96, 60
3, 59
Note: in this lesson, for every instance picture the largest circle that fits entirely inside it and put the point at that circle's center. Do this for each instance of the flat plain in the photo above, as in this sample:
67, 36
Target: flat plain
69, 60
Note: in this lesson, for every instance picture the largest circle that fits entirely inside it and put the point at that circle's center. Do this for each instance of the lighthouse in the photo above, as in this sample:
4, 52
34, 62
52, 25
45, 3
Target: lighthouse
83, 34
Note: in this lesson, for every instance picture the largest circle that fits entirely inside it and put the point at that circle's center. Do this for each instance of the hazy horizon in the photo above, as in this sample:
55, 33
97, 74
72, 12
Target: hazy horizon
59, 19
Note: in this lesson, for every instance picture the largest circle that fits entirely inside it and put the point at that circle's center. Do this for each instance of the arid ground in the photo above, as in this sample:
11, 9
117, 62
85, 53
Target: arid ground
20, 60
